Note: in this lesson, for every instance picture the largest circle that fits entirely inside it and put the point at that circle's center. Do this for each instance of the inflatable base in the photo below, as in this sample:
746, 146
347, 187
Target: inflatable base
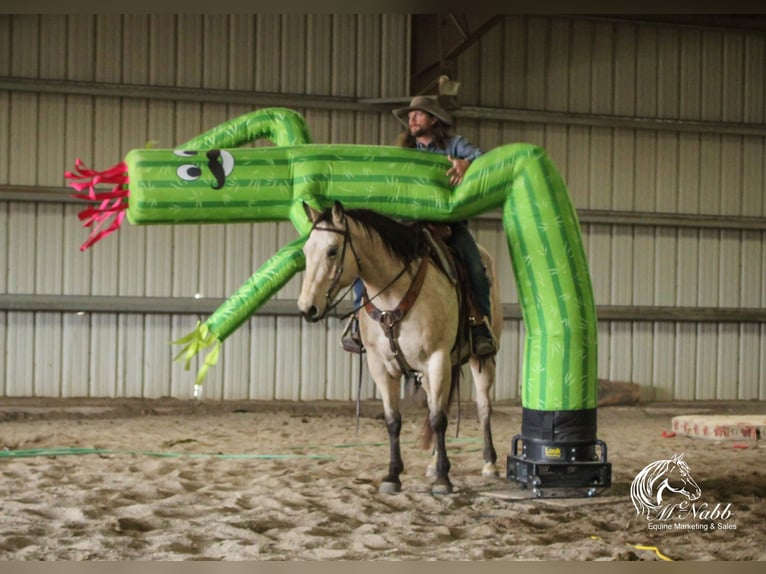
558, 454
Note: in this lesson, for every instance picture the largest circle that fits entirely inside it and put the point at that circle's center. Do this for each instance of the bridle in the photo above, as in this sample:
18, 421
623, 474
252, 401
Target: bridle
331, 294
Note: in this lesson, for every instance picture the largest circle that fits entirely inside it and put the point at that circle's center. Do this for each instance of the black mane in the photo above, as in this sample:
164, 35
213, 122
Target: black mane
401, 240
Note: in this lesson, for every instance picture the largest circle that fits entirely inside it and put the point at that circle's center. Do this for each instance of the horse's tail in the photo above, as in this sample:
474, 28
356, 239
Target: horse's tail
428, 433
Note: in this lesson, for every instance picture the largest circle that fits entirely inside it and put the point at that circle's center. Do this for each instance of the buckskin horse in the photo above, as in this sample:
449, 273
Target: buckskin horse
415, 332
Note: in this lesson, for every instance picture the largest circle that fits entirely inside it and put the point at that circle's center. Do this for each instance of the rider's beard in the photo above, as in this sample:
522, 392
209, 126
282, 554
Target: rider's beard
419, 131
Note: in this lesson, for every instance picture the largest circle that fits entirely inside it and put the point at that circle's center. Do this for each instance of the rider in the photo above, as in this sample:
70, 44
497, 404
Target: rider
428, 126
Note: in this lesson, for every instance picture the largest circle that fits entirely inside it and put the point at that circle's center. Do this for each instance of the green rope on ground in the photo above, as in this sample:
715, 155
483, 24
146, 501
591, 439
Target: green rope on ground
65, 451
71, 451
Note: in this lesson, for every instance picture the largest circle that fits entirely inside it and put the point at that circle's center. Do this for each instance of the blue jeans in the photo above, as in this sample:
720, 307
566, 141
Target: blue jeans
358, 292
462, 241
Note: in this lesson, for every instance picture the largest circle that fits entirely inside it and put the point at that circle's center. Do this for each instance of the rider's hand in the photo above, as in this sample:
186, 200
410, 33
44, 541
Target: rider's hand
457, 171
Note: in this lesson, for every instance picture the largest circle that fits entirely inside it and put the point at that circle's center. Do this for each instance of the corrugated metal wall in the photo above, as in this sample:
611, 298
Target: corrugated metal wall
563, 65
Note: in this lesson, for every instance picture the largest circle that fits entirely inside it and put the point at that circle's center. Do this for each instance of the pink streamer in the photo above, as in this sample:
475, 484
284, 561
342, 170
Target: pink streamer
110, 205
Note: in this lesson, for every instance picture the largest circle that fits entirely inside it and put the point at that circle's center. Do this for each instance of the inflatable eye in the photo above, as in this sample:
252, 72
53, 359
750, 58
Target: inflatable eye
228, 162
184, 153
189, 172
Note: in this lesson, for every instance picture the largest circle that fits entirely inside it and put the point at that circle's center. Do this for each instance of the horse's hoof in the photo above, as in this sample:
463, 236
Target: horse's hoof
490, 470
441, 488
390, 487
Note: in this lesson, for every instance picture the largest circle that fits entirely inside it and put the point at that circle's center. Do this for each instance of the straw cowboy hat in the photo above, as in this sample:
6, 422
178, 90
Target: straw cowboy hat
424, 104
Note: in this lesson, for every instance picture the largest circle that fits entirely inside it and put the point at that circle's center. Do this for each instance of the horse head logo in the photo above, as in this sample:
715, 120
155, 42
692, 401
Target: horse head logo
660, 480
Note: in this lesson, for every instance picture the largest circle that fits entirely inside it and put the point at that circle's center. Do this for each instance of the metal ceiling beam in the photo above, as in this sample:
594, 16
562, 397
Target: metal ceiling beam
437, 41
85, 305
374, 105
62, 195
736, 22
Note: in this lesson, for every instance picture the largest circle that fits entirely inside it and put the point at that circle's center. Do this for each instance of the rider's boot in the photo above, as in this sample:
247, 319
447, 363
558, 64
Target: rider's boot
483, 341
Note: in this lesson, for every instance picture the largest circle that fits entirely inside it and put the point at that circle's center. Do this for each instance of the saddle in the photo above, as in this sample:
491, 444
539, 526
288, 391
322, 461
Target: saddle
451, 264
448, 261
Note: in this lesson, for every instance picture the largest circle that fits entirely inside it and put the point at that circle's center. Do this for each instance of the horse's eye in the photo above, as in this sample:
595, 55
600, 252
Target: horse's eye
332, 252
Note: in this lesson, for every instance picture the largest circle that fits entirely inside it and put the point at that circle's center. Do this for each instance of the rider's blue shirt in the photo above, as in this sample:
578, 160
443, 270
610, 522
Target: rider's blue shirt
455, 146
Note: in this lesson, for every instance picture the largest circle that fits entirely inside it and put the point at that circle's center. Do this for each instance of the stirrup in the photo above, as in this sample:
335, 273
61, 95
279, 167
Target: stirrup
350, 339
483, 341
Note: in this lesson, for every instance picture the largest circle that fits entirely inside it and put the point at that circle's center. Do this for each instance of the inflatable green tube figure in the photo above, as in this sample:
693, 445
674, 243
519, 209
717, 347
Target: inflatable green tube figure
210, 178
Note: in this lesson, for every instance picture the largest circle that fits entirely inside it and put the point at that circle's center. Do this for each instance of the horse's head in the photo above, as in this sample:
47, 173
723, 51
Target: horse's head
330, 264
678, 479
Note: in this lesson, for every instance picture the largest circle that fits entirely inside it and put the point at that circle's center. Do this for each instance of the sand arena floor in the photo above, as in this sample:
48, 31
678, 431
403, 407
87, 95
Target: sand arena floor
181, 480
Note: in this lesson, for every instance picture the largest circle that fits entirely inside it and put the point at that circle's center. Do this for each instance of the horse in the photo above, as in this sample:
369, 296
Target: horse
387, 256
659, 479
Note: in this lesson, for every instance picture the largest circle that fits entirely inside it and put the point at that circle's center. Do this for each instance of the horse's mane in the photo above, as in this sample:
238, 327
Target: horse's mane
402, 241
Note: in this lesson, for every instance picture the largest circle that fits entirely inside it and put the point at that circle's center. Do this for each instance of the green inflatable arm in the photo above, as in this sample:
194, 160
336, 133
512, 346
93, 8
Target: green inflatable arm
212, 179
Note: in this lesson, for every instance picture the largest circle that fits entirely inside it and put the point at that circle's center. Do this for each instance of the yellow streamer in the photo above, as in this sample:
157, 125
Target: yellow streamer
199, 339
656, 550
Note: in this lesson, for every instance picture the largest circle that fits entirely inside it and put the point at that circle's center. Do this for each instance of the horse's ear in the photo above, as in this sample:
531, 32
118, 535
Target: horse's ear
338, 214
311, 213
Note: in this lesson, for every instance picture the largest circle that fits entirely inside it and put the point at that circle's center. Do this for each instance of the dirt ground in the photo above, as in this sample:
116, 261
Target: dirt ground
185, 480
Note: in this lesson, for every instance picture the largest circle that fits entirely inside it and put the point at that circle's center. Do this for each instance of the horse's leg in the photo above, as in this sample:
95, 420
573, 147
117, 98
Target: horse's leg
442, 484
484, 373
431, 468
389, 391
484, 378
439, 381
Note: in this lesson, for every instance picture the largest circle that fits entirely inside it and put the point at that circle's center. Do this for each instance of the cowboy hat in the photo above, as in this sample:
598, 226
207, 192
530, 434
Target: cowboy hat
425, 104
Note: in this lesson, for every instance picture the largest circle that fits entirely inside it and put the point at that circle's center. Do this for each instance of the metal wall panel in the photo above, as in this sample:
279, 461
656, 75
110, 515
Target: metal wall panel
5, 44
559, 64
752, 362
5, 133
19, 355
3, 346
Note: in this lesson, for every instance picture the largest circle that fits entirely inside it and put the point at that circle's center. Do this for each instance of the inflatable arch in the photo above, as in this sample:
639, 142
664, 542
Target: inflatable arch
210, 178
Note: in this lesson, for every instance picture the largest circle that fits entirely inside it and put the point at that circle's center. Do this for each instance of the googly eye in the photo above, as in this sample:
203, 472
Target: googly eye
184, 153
189, 172
228, 162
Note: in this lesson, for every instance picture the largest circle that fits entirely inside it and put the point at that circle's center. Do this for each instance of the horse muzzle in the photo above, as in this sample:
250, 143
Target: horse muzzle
312, 314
